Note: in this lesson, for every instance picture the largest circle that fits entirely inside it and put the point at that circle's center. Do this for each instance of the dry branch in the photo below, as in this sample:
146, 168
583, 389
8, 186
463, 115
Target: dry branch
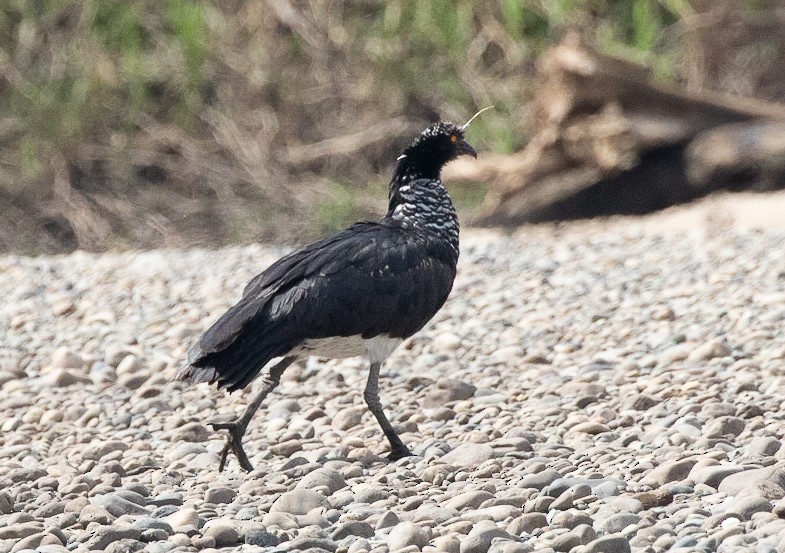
608, 139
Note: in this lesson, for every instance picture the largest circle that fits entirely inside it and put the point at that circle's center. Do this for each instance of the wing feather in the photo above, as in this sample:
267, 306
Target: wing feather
371, 279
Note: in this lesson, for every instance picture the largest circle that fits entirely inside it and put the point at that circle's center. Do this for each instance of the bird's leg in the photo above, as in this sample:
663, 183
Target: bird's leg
397, 448
237, 427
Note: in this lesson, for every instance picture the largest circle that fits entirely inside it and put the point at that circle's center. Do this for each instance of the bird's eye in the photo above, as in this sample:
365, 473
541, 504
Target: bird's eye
453, 138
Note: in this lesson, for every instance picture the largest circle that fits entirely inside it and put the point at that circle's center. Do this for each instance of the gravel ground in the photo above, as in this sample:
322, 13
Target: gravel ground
593, 387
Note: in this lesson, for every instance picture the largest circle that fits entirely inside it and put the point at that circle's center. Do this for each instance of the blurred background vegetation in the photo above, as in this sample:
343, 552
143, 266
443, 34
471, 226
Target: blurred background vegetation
152, 124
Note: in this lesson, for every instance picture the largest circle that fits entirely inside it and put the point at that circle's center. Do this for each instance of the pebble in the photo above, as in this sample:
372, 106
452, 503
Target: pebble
102, 536
405, 534
260, 537
713, 475
330, 479
468, 500
764, 446
183, 517
540, 479
768, 482
480, 537
670, 471
299, 502
724, 427
613, 543
548, 410
747, 506
616, 523
469, 455
220, 495
224, 534
447, 390
118, 505
64, 358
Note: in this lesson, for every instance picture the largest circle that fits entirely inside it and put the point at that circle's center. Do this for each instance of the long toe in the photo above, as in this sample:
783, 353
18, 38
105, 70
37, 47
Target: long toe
234, 443
399, 453
242, 458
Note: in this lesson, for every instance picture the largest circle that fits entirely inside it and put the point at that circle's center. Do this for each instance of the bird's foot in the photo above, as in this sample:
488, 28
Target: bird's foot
399, 452
234, 443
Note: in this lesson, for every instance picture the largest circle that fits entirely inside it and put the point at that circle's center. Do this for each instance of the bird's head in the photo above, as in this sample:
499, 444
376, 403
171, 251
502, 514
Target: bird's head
442, 142
438, 144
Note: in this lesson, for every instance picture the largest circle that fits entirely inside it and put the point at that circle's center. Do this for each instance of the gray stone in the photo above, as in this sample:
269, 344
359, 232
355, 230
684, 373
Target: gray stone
18, 531
566, 499
348, 418
640, 402
283, 520
220, 495
768, 482
192, 432
261, 538
616, 523
6, 503
723, 427
352, 528
430, 512
153, 534
102, 536
307, 543
95, 513
129, 364
565, 542
468, 500
480, 537
539, 480
26, 474
446, 342
407, 533
714, 474
446, 390
746, 506
224, 535
585, 533
61, 378
387, 520
504, 546
125, 545
447, 544
35, 541
299, 502
186, 516
322, 477
764, 446
614, 543
170, 499
671, 471
709, 350
527, 523
571, 518
65, 358
469, 455
118, 505
148, 523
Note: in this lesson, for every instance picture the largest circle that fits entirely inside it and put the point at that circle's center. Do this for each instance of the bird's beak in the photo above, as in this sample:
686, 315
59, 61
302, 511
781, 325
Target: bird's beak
465, 148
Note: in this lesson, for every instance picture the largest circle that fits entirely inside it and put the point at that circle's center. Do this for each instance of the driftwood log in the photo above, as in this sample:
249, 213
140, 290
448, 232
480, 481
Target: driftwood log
608, 139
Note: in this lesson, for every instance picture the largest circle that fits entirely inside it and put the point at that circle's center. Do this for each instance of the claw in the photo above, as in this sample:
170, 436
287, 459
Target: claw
399, 453
234, 443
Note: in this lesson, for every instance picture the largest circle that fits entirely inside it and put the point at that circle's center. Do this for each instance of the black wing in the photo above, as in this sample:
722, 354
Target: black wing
370, 279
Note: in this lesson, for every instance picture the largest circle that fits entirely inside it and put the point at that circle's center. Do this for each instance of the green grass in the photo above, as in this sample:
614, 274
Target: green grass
141, 82
337, 210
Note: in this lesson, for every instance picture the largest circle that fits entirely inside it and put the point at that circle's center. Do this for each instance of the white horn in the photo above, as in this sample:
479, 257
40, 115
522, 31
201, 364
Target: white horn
473, 117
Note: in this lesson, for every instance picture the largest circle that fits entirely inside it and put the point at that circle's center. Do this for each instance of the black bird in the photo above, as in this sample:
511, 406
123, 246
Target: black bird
358, 293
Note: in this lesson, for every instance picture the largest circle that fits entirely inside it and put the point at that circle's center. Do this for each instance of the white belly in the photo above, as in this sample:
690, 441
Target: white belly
376, 349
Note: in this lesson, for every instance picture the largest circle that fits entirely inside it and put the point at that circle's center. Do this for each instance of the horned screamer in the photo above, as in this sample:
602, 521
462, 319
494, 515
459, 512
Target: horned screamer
358, 293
